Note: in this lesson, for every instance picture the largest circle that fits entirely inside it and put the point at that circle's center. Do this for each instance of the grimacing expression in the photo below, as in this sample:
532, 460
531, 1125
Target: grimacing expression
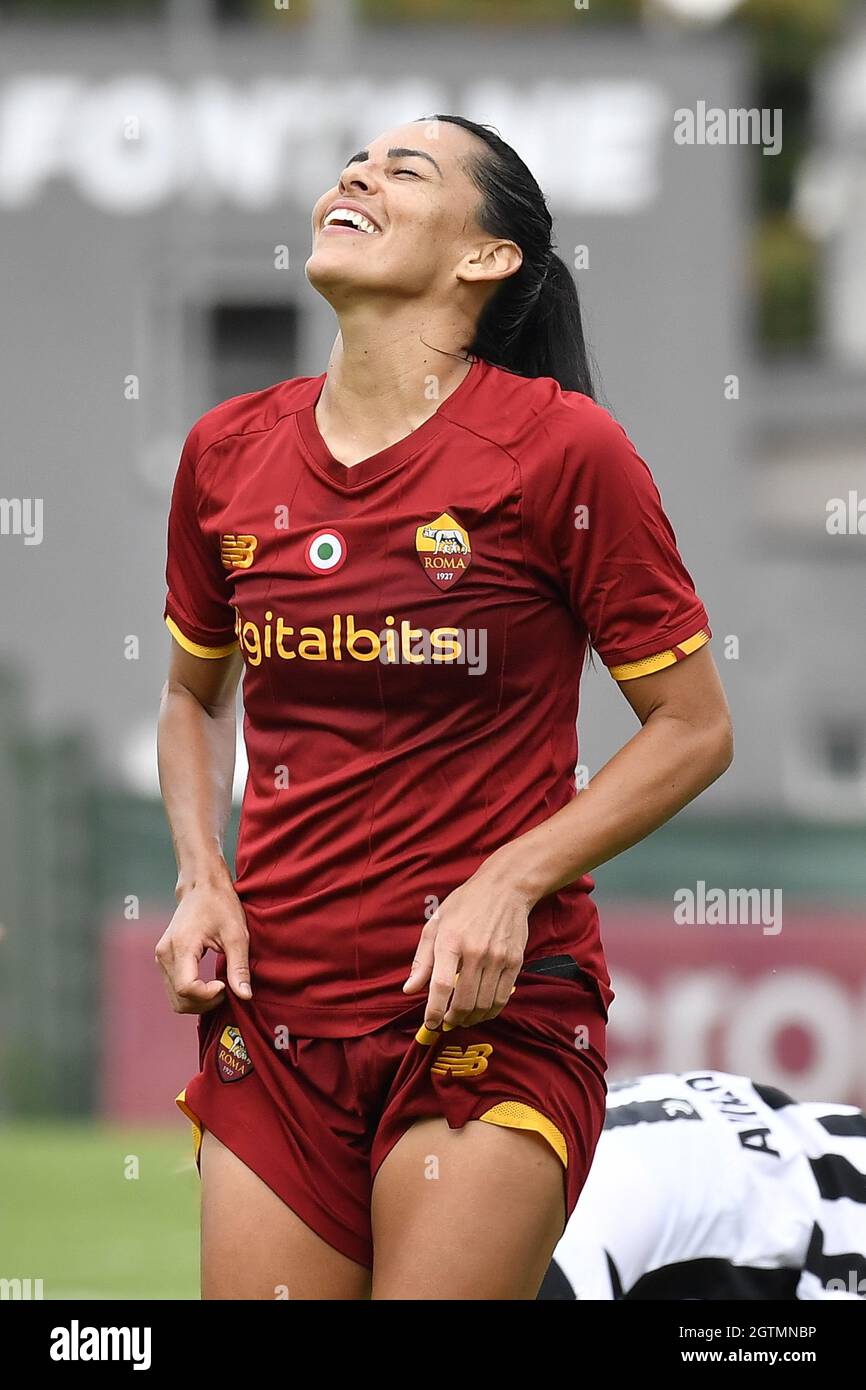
401, 218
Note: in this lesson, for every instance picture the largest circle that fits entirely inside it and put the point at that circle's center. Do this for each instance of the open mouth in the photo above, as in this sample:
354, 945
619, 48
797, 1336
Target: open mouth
347, 220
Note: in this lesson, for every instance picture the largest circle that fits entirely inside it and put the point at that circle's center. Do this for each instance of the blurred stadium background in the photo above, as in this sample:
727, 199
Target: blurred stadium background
158, 162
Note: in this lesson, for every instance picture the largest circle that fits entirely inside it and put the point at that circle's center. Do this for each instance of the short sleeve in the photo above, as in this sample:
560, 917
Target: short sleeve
599, 524
197, 611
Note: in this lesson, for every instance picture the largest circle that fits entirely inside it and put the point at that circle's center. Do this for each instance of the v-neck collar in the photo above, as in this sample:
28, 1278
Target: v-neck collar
350, 476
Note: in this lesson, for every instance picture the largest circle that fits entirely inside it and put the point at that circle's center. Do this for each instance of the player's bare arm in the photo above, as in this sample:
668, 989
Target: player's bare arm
684, 743
196, 745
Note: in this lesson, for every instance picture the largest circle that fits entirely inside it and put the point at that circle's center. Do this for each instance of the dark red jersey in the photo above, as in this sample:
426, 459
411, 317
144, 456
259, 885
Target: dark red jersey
413, 630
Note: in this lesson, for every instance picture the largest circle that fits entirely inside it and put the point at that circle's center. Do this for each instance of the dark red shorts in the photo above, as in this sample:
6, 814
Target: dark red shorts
315, 1117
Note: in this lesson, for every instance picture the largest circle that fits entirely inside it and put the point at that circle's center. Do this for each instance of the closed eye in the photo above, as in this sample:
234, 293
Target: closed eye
413, 172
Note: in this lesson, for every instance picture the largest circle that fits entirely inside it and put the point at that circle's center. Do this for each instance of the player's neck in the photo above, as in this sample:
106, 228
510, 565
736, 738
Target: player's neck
387, 374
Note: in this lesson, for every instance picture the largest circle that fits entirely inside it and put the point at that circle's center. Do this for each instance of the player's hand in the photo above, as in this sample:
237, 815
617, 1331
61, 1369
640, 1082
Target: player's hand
208, 918
471, 951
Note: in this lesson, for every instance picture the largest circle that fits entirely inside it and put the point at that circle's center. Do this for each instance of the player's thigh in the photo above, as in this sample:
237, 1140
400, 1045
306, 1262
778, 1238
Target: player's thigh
465, 1213
255, 1247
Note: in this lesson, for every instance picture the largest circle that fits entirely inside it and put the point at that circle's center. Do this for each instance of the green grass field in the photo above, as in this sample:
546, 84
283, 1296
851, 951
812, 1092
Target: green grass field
99, 1212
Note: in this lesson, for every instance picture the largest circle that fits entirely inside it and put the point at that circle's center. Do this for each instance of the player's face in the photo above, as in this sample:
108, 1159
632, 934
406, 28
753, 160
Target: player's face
419, 204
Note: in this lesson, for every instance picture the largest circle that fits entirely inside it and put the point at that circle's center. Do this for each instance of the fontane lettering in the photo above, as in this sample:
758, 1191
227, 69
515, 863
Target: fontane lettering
242, 138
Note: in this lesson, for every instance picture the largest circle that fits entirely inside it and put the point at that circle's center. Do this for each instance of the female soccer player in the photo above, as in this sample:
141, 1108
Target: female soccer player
402, 1056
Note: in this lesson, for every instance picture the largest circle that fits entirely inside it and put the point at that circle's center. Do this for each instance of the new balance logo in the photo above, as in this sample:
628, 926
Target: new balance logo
236, 552
457, 1061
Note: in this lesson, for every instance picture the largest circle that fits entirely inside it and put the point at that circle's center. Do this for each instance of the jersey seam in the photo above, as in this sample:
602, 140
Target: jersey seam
232, 434
240, 434
523, 525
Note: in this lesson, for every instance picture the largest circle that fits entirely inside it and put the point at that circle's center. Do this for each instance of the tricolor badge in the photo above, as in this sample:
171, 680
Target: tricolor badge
443, 550
325, 552
232, 1058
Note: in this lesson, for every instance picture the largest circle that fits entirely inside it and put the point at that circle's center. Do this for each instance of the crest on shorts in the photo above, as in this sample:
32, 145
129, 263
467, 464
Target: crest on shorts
444, 550
232, 1058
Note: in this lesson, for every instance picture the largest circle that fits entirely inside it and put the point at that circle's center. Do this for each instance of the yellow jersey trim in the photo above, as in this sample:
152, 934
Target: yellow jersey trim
630, 669
197, 1131
195, 648
515, 1115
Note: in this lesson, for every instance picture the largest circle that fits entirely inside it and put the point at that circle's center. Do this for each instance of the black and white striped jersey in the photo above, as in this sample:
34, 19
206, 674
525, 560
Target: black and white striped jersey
706, 1185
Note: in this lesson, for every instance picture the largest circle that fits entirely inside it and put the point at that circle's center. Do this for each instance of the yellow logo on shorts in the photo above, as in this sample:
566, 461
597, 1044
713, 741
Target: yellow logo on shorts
236, 552
471, 1061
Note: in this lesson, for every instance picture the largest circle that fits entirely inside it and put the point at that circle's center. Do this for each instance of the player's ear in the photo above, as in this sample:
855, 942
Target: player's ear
490, 260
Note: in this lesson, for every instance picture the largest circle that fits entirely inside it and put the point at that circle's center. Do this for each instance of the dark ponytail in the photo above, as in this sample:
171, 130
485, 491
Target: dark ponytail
532, 324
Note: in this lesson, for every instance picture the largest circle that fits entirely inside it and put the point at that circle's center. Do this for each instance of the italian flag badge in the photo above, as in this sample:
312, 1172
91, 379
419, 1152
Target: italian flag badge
326, 552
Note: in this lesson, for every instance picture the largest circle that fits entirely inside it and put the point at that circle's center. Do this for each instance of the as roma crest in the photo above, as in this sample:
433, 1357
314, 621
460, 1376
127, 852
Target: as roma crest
444, 550
232, 1058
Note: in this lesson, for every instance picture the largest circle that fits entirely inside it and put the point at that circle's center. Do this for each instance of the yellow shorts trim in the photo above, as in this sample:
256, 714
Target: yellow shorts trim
195, 648
515, 1115
630, 669
197, 1131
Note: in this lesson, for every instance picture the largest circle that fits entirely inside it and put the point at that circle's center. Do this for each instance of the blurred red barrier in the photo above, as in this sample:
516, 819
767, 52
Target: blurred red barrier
788, 1009
149, 1052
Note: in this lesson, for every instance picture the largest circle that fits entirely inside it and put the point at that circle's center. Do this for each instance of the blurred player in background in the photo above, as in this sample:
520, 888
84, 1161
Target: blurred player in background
710, 1186
411, 553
